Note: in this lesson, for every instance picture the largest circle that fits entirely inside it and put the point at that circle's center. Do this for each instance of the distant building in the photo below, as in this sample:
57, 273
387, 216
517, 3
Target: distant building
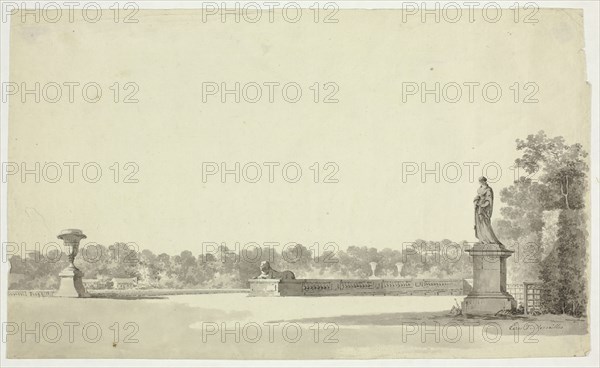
124, 283
92, 283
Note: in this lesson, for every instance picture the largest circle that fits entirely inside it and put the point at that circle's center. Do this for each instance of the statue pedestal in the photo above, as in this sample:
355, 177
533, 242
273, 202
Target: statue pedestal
489, 294
71, 284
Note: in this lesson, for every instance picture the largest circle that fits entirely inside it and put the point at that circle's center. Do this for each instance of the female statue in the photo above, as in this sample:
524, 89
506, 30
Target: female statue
484, 204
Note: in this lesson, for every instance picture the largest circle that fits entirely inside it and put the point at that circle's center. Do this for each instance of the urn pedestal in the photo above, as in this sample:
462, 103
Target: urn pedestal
489, 294
399, 267
373, 268
71, 278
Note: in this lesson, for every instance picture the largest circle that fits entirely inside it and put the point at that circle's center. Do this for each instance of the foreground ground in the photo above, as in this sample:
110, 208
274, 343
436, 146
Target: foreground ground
234, 326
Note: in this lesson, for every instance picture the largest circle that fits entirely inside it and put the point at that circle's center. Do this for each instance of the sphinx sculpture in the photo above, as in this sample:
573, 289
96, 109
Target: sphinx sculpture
266, 272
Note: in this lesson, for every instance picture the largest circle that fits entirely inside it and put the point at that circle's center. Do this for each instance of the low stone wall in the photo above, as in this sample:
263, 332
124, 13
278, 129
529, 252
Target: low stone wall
325, 287
34, 293
110, 293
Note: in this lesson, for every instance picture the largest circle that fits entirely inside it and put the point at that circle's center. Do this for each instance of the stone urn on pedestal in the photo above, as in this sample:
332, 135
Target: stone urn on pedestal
373, 267
71, 278
399, 267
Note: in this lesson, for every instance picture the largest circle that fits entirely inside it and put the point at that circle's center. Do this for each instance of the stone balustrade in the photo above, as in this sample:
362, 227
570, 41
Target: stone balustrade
34, 293
332, 287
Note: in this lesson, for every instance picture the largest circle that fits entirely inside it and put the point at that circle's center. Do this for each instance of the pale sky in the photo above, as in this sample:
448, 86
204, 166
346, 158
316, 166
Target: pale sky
369, 133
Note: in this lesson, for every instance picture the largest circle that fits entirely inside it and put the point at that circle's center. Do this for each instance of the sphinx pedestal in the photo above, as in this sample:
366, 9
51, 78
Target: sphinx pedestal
489, 294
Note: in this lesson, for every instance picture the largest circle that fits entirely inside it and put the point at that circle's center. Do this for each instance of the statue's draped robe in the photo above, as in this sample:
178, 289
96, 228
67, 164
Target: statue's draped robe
484, 204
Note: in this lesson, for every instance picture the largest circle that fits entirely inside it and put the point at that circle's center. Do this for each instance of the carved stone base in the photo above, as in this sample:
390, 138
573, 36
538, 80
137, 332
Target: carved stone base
489, 294
488, 304
264, 287
71, 284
